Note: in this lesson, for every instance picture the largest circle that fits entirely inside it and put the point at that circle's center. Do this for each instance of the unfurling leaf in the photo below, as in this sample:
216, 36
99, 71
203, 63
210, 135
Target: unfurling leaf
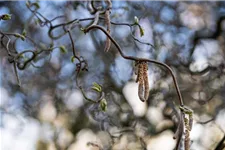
97, 87
63, 49
103, 104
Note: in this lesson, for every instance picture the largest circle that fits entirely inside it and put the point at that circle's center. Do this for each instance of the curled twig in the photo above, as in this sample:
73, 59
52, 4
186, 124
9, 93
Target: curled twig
90, 7
82, 64
23, 65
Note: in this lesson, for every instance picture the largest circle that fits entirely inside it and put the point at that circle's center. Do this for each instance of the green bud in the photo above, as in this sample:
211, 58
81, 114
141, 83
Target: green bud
103, 105
136, 20
6, 17
141, 31
63, 49
72, 59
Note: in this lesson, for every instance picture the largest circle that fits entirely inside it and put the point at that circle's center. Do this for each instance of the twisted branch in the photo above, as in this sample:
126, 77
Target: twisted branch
180, 128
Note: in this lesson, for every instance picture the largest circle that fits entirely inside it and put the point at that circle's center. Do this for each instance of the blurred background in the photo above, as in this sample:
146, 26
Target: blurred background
49, 112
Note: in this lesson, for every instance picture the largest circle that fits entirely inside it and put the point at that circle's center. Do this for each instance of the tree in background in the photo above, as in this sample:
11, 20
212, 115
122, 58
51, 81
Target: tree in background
112, 75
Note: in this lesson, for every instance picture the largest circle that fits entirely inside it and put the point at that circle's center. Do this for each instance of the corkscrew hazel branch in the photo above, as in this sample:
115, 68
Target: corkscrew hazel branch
180, 128
94, 26
139, 59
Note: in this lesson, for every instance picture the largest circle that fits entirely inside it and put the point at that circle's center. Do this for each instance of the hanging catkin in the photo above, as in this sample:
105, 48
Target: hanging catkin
141, 70
145, 76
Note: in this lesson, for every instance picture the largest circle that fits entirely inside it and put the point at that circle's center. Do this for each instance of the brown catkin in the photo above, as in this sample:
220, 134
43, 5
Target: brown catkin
141, 91
187, 135
140, 78
141, 81
145, 76
187, 140
141, 70
190, 122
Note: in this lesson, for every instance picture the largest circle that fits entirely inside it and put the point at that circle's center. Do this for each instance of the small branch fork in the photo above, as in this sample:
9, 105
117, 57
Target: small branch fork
82, 65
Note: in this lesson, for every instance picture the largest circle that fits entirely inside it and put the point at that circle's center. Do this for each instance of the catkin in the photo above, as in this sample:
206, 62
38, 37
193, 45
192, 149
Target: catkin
145, 76
187, 140
141, 70
190, 121
187, 134
141, 91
